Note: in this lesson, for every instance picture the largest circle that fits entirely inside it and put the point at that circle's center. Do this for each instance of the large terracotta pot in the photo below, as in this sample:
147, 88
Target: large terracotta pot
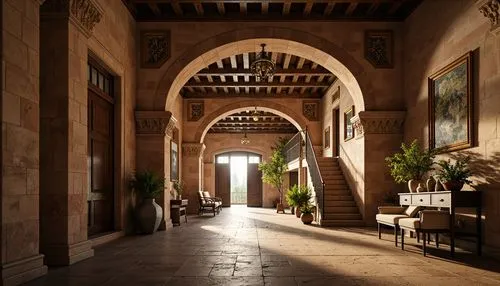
298, 212
307, 218
149, 216
453, 186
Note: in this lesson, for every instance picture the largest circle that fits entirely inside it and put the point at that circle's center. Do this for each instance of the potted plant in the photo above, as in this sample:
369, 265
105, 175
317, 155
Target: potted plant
149, 186
454, 176
411, 165
292, 196
274, 170
304, 195
179, 189
307, 214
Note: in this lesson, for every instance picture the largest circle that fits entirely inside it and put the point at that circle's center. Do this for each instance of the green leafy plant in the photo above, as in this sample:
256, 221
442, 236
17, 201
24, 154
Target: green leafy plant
411, 163
304, 195
292, 196
148, 184
458, 172
307, 209
179, 187
274, 170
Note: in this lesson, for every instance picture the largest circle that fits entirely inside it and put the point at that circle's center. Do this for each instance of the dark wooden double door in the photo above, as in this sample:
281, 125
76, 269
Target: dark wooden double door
100, 163
254, 182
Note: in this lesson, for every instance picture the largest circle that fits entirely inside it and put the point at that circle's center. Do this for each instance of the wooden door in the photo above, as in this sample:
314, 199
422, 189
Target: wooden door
254, 186
223, 183
100, 149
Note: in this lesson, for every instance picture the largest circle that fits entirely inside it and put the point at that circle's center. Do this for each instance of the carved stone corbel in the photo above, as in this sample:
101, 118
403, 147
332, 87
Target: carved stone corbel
154, 123
491, 10
193, 149
378, 122
84, 14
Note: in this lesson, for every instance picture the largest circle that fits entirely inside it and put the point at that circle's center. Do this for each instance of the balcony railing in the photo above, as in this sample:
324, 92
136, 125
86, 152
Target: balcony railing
292, 148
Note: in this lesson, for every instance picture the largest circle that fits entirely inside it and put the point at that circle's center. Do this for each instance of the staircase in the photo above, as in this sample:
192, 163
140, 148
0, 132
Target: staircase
340, 206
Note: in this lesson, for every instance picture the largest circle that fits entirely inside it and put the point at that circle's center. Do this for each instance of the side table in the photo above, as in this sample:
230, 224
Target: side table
178, 211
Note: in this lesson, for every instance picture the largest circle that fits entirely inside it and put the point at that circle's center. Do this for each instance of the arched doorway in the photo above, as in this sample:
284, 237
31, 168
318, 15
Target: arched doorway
238, 179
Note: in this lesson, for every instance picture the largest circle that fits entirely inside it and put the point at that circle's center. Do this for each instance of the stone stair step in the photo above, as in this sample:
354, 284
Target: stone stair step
329, 176
339, 204
336, 187
337, 193
329, 197
343, 222
343, 210
329, 181
342, 216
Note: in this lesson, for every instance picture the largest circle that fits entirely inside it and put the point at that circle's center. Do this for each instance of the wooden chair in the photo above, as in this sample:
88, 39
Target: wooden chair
390, 216
208, 204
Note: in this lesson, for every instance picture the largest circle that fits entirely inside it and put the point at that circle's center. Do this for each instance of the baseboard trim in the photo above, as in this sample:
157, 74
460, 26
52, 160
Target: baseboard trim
106, 238
24, 270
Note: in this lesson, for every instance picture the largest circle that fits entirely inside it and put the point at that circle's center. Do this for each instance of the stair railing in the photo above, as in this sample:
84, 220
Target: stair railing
291, 150
316, 178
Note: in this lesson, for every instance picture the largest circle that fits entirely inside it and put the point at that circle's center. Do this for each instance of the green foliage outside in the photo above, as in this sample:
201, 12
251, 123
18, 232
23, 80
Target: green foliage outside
148, 184
458, 172
411, 163
274, 170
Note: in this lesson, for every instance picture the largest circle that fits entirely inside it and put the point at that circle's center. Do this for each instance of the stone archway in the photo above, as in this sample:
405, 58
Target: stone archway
300, 43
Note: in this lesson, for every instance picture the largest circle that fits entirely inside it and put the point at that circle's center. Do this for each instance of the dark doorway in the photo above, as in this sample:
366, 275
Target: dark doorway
100, 150
238, 179
293, 178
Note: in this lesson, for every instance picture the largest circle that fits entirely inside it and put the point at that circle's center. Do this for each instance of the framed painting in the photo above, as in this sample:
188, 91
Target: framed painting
174, 161
348, 128
450, 106
327, 137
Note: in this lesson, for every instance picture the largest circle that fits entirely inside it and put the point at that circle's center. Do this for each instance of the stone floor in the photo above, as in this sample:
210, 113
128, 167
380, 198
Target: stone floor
253, 246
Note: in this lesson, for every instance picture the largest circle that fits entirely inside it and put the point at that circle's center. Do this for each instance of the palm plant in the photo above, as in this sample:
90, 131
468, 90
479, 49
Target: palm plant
455, 175
148, 184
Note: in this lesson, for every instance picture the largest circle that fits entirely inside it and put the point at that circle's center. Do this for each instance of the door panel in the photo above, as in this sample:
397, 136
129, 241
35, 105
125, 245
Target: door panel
223, 183
294, 178
254, 186
100, 136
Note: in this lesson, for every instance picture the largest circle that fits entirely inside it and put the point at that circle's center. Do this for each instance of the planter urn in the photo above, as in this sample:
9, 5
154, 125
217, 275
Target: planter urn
149, 215
298, 212
307, 218
453, 186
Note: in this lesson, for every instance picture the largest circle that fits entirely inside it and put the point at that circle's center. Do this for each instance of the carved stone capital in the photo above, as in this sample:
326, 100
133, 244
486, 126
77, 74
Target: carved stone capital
193, 149
491, 10
85, 14
378, 122
154, 123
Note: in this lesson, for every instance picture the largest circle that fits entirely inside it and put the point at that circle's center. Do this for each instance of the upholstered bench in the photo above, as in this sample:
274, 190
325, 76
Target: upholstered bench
429, 221
391, 215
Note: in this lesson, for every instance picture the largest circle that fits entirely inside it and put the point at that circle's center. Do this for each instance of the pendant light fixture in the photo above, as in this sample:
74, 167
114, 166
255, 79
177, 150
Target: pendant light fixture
245, 140
263, 67
255, 115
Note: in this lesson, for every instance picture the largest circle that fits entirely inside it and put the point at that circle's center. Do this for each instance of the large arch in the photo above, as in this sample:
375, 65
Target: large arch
262, 105
285, 40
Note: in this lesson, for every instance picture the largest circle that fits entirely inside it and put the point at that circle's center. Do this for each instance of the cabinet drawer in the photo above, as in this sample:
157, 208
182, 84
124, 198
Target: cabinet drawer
420, 200
441, 200
405, 200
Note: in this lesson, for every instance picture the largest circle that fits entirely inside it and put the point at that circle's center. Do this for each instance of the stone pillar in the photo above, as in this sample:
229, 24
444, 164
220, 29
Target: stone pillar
65, 27
19, 195
192, 156
154, 133
382, 132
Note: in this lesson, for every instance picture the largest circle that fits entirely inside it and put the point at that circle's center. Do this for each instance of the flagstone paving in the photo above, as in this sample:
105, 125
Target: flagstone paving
254, 246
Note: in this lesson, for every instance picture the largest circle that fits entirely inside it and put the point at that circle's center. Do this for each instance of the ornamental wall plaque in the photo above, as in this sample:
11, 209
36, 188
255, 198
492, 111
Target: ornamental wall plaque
310, 109
379, 48
196, 110
155, 48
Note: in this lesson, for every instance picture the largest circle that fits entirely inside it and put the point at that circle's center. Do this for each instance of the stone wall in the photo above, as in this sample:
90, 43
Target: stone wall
221, 143
436, 34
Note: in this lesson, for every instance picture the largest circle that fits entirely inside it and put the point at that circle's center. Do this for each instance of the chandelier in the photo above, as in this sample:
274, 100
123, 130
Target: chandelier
245, 140
262, 67
255, 115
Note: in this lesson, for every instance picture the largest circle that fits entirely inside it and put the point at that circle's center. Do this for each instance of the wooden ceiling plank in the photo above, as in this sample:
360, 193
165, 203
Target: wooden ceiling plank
329, 9
286, 7
351, 8
286, 61
246, 65
300, 63
243, 8
177, 8
264, 7
302, 94
221, 8
199, 8
279, 71
308, 8
373, 8
253, 83
394, 8
155, 9
321, 78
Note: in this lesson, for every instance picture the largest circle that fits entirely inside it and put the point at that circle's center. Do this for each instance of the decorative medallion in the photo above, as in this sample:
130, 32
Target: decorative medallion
196, 110
491, 10
85, 14
154, 123
155, 48
379, 48
310, 109
378, 122
192, 149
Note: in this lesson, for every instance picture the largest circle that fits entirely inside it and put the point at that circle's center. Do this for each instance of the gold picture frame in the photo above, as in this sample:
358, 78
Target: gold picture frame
348, 126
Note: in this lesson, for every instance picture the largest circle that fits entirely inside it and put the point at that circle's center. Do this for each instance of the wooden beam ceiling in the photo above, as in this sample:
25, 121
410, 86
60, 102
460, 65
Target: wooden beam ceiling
243, 122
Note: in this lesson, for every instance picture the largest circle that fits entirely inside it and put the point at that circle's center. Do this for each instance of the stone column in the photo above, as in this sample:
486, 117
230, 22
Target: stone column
192, 156
382, 132
154, 133
65, 27
19, 195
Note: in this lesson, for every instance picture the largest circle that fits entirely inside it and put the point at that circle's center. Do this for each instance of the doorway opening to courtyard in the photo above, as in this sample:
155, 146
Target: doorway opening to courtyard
238, 180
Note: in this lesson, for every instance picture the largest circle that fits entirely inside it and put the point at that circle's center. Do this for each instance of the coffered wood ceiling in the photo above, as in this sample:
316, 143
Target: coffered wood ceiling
243, 122
230, 77
271, 10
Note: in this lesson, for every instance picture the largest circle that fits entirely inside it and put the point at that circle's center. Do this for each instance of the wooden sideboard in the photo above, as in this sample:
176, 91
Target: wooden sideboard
178, 211
450, 200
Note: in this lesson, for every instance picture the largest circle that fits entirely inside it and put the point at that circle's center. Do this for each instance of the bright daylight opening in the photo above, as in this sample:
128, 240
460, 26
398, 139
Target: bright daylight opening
239, 180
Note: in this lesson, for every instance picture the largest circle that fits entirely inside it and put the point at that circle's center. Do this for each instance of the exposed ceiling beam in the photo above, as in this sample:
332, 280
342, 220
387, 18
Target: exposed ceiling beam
329, 9
373, 8
279, 71
351, 8
154, 7
308, 8
264, 131
286, 7
243, 8
253, 83
268, 1
251, 95
177, 8
221, 8
264, 7
252, 122
394, 8
199, 8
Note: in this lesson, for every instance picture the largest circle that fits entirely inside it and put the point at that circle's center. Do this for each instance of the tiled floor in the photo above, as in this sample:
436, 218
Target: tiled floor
252, 246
